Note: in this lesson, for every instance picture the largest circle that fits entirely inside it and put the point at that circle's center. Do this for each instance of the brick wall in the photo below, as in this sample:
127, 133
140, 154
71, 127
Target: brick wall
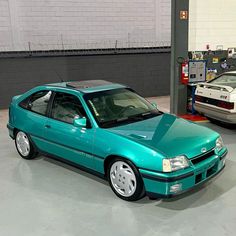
211, 22
148, 73
49, 24
5, 24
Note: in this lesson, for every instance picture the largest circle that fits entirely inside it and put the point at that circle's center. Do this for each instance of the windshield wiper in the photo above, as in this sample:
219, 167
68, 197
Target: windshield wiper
148, 114
120, 121
137, 117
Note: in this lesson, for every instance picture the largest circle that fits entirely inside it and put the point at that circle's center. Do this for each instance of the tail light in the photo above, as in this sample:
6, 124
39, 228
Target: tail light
198, 98
226, 105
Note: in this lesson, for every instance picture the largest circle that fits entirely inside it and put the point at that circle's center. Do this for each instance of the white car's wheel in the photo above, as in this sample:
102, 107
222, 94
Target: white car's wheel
125, 180
24, 146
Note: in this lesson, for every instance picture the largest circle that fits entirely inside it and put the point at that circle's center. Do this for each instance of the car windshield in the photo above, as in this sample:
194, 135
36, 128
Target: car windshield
119, 106
226, 79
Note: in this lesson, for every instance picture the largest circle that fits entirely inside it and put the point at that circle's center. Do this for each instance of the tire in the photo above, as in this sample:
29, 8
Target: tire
24, 146
125, 180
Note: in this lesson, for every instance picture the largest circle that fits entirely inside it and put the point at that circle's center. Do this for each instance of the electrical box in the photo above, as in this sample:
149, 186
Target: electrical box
197, 71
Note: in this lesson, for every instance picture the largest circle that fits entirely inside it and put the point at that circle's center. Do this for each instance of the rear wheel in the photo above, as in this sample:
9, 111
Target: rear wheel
125, 180
24, 146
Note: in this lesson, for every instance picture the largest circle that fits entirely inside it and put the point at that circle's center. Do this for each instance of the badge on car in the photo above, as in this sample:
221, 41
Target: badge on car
203, 150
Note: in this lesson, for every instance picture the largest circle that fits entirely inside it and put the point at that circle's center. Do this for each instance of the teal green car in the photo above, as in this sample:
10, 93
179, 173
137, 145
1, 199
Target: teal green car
110, 130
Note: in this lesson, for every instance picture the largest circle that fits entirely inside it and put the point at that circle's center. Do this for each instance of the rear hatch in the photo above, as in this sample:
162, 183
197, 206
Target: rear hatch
221, 96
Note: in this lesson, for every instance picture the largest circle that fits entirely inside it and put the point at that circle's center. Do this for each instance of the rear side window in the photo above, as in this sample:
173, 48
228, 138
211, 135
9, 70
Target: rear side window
37, 102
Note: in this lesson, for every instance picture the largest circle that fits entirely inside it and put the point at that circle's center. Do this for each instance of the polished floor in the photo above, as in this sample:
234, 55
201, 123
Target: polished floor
43, 197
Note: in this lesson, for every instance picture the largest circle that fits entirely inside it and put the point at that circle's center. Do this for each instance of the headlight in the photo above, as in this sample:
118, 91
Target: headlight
219, 144
176, 163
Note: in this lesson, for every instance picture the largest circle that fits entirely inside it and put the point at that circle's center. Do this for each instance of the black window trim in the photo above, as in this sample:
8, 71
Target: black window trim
27, 99
50, 105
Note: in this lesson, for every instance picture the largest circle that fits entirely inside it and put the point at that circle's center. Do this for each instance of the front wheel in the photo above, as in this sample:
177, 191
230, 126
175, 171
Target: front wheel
24, 146
125, 180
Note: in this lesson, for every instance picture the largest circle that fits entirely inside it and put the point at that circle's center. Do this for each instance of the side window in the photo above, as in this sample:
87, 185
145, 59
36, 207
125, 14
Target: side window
66, 107
37, 102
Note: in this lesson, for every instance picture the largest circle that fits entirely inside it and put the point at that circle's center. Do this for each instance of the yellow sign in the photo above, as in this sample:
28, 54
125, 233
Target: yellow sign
215, 60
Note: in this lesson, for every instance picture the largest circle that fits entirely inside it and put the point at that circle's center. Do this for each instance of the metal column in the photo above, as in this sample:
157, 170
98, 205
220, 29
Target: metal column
179, 48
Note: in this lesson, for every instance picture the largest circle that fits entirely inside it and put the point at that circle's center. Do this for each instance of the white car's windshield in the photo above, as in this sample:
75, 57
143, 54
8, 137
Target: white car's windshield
226, 79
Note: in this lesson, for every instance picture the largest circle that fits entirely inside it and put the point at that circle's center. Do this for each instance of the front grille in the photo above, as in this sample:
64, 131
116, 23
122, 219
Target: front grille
203, 157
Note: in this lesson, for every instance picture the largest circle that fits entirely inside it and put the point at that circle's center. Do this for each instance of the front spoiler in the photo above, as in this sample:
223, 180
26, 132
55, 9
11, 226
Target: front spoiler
162, 196
158, 186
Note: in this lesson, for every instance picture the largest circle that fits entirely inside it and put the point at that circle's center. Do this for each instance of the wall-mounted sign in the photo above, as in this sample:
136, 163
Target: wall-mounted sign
231, 52
183, 15
211, 74
215, 60
197, 55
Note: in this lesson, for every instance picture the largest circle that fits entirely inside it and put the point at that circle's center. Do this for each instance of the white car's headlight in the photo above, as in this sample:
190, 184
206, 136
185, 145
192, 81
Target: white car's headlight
219, 144
176, 163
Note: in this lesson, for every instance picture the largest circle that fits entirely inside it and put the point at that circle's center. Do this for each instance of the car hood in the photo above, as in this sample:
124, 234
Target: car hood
169, 135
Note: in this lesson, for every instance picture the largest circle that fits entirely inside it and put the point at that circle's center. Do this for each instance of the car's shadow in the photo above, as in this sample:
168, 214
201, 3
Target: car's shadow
200, 195
80, 171
222, 125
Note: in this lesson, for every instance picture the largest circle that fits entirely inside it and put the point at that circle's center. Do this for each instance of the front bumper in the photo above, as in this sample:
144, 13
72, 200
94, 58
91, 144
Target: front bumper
166, 185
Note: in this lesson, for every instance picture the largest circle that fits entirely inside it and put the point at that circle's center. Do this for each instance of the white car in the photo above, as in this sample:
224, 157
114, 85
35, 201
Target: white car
216, 99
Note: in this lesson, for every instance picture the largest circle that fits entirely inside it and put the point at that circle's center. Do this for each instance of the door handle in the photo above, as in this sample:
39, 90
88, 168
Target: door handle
47, 126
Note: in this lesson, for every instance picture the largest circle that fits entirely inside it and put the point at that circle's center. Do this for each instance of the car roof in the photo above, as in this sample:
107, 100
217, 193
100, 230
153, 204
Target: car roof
88, 86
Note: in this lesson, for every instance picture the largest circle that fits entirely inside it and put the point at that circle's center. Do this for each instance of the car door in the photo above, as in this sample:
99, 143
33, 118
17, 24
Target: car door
65, 140
33, 116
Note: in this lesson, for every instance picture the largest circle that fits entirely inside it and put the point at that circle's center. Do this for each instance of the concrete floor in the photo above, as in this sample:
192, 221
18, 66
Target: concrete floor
43, 197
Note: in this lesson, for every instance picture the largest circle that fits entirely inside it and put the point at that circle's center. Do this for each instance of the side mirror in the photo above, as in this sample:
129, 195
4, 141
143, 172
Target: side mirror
80, 122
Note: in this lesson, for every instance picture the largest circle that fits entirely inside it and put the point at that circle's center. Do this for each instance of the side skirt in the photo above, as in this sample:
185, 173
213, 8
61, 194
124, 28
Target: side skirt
57, 158
78, 166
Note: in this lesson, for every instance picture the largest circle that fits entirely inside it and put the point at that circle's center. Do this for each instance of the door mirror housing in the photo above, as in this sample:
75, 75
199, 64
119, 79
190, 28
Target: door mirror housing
80, 122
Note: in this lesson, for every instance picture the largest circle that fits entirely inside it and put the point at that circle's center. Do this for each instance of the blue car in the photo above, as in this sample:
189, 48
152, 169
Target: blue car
110, 130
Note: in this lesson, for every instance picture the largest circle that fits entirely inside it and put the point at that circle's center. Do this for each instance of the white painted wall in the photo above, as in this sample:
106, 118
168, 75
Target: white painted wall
54, 24
212, 22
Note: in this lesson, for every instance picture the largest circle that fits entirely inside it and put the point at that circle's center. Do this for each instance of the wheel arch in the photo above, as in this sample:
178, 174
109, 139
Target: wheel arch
142, 190
14, 132
109, 158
